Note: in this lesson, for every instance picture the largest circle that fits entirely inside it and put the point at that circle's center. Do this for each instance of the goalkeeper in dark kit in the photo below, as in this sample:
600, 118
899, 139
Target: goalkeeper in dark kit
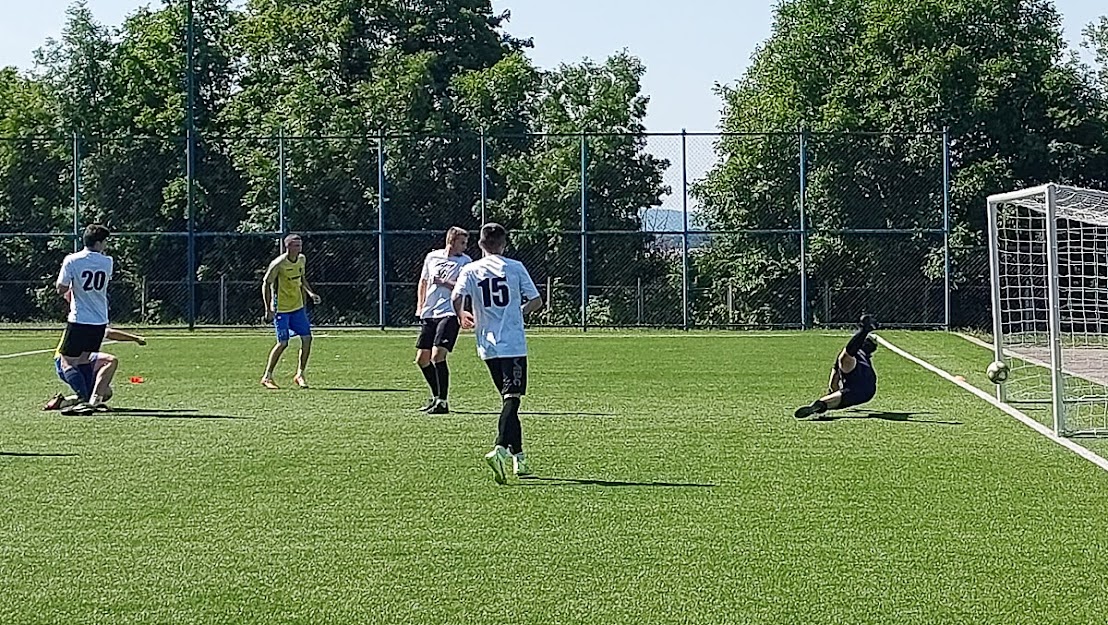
853, 378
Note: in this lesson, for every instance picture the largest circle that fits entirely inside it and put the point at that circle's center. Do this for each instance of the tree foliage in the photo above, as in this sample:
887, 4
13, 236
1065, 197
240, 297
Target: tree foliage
1095, 39
997, 74
315, 93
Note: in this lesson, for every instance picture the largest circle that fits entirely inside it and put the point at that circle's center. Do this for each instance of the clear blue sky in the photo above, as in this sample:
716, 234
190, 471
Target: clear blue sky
686, 51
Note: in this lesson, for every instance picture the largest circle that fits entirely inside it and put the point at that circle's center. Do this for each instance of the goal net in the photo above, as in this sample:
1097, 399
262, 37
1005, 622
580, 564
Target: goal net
1048, 249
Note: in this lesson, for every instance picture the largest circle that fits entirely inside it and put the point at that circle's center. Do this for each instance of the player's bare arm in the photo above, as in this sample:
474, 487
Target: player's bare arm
847, 362
532, 305
835, 382
307, 289
113, 334
421, 296
465, 318
269, 281
459, 304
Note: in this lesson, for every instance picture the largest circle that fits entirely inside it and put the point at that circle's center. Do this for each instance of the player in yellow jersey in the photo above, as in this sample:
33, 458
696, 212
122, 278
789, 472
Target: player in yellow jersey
283, 289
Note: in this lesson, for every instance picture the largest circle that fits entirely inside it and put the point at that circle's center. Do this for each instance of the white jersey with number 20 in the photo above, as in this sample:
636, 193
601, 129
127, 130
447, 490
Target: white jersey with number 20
498, 287
87, 274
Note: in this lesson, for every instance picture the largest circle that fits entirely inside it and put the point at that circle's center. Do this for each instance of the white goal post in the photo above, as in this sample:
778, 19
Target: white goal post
1048, 259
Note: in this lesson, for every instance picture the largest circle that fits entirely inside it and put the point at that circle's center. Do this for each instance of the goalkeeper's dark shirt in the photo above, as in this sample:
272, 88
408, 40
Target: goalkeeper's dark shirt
861, 382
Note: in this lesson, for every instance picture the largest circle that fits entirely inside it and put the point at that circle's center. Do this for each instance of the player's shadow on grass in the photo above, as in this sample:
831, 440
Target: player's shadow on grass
535, 480
159, 413
537, 413
32, 454
360, 390
886, 416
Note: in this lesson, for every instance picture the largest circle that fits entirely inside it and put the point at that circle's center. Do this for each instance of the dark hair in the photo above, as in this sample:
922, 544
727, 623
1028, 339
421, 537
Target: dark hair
493, 235
95, 233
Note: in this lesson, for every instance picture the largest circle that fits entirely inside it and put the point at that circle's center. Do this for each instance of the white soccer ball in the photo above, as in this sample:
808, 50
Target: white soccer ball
997, 372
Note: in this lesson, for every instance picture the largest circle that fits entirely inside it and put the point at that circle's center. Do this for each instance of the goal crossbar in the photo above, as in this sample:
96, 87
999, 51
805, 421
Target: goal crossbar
1012, 196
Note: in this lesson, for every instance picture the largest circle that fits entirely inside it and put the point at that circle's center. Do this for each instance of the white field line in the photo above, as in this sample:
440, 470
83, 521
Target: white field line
31, 353
36, 352
395, 333
214, 335
369, 334
1019, 415
41, 351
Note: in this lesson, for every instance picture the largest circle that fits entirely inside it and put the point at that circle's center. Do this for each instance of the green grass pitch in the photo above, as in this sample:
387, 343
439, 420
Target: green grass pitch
675, 488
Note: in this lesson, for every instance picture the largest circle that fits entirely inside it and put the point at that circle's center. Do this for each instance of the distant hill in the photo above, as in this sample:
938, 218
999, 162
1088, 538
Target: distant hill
671, 220
666, 220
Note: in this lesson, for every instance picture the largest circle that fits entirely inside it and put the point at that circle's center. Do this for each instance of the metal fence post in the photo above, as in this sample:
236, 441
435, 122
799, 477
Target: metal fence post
826, 302
76, 192
190, 158
282, 198
381, 290
584, 230
638, 301
804, 321
684, 231
484, 180
947, 268
730, 300
222, 299
549, 296
190, 175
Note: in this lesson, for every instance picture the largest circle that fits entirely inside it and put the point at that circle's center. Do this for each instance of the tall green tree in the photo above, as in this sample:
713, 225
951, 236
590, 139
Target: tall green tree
66, 94
36, 185
593, 111
331, 76
122, 92
307, 92
997, 73
1095, 40
77, 71
349, 69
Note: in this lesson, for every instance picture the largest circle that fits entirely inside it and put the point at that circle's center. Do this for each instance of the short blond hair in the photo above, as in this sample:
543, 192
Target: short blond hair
454, 232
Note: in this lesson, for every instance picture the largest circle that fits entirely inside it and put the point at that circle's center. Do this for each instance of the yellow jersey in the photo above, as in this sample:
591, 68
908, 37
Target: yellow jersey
288, 278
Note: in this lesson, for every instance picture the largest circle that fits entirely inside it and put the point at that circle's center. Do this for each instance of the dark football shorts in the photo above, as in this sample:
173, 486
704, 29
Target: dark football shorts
441, 332
858, 388
509, 374
80, 338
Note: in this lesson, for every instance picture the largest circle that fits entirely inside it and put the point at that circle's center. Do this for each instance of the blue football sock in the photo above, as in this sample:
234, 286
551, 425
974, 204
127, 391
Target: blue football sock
78, 382
89, 374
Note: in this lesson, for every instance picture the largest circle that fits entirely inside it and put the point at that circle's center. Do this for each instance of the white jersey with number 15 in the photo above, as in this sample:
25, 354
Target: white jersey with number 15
498, 287
87, 274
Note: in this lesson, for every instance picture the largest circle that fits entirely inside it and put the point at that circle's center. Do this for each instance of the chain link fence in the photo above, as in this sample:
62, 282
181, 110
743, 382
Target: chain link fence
618, 230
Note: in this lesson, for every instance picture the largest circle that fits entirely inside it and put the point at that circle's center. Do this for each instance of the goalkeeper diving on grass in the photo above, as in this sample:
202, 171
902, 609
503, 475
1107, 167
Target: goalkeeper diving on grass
853, 378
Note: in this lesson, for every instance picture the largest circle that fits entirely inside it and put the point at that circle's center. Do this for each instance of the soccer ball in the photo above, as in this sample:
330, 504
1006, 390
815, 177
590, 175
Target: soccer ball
997, 372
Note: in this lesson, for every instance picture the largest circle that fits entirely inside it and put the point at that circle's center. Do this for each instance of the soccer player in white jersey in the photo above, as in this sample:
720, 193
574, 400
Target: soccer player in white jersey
502, 292
83, 280
439, 323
